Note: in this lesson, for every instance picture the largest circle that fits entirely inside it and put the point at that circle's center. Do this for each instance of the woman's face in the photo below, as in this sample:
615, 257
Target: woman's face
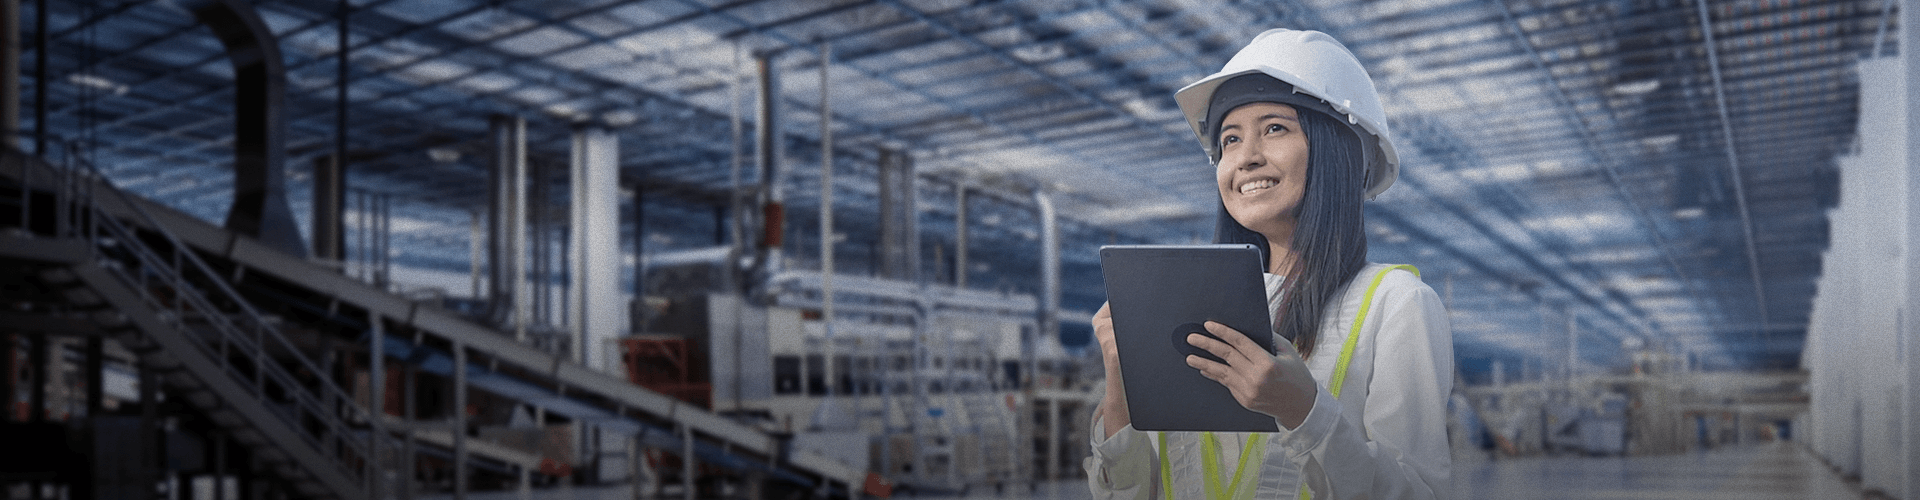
1263, 167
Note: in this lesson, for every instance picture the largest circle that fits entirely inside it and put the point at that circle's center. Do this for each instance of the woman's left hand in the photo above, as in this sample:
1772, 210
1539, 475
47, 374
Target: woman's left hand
1278, 385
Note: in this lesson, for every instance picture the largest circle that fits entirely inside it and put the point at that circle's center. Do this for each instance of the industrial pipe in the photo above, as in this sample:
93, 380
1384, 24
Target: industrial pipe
768, 157
826, 218
1049, 267
260, 125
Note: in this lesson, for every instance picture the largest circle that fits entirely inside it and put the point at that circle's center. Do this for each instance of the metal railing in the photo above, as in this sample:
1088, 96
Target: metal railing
190, 296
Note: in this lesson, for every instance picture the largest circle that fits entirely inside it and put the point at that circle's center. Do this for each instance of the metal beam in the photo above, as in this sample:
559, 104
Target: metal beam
1733, 165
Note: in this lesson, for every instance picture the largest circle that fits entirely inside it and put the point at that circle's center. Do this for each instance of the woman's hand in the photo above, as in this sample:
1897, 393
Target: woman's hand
1278, 385
1113, 409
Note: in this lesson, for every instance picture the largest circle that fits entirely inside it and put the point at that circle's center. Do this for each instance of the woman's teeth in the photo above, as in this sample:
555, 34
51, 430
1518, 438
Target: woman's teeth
1255, 186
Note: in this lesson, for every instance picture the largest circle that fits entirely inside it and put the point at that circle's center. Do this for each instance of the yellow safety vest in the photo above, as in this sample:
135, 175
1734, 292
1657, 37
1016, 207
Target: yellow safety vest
1254, 452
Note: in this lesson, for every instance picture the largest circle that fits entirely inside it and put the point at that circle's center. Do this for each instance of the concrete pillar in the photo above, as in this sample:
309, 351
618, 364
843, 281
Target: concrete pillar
598, 307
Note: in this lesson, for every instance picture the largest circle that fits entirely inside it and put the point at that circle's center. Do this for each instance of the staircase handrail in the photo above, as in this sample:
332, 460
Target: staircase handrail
80, 178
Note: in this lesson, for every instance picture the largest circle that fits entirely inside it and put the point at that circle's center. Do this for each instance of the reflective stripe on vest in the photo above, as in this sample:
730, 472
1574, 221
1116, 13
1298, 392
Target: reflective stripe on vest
1254, 451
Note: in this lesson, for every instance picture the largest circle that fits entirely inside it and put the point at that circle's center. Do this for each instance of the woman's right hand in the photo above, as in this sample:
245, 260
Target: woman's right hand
1113, 408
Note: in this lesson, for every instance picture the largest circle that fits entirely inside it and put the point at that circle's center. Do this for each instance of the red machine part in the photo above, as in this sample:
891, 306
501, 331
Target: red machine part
666, 365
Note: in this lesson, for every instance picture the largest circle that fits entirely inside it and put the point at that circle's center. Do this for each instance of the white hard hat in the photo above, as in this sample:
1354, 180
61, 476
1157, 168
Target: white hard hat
1316, 65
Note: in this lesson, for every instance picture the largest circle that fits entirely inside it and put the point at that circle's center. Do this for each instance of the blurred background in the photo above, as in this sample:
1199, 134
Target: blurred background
775, 249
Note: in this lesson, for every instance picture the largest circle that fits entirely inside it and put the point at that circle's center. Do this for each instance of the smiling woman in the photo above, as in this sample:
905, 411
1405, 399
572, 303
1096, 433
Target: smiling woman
1298, 143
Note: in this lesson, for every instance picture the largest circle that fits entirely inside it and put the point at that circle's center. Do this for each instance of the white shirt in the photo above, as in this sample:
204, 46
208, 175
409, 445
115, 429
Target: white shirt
1384, 437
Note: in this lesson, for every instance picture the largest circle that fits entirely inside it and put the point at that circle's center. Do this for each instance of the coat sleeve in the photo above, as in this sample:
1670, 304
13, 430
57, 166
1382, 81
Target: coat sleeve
1124, 466
1400, 450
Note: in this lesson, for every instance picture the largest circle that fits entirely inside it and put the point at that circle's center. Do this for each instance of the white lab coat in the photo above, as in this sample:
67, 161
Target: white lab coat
1385, 437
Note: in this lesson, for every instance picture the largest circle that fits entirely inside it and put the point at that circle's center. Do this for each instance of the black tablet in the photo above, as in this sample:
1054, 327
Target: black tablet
1157, 295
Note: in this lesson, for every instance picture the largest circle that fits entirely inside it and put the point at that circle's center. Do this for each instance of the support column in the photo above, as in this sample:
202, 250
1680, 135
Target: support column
1910, 54
459, 422
38, 345
377, 406
10, 50
686, 462
329, 202
597, 305
826, 231
149, 463
1053, 439
8, 398
95, 363
960, 235
409, 379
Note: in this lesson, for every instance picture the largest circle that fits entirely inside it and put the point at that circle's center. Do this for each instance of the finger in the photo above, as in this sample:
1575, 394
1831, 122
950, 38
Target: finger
1218, 349
1235, 338
1234, 355
1211, 369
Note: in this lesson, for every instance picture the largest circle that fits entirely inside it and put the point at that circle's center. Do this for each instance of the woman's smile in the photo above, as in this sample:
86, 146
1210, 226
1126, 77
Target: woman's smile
1256, 185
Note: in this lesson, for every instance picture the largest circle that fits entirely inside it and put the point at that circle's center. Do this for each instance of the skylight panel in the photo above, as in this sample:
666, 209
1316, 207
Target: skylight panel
540, 41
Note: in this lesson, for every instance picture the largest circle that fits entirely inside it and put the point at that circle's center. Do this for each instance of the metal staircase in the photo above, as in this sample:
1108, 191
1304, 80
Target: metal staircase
143, 271
208, 344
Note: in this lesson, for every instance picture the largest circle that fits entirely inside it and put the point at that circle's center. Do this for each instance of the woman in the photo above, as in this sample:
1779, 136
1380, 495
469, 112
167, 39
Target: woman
1298, 141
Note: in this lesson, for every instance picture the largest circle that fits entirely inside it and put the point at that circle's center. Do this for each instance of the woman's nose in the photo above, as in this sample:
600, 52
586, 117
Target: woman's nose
1250, 156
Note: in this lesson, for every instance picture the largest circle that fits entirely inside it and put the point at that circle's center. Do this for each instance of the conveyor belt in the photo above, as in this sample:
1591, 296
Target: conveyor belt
594, 397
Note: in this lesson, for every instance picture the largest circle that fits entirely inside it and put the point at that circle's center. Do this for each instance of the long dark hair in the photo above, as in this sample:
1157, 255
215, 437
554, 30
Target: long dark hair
1329, 239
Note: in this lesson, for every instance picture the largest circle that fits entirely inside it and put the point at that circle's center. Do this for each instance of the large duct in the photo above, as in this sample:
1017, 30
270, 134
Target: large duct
899, 217
1049, 270
507, 223
768, 158
597, 307
260, 125
329, 199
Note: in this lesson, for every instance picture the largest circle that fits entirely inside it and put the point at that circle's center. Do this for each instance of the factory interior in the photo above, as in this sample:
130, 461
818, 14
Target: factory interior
516, 249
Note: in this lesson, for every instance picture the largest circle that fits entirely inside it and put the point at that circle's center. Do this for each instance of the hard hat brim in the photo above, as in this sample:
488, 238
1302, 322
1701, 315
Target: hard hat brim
1383, 164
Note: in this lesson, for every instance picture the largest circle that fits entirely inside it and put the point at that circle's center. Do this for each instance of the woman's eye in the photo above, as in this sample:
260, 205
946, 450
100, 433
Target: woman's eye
1227, 140
1275, 128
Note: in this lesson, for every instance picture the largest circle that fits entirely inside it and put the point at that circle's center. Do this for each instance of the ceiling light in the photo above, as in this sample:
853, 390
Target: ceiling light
1689, 213
443, 154
1038, 53
1636, 88
98, 83
620, 118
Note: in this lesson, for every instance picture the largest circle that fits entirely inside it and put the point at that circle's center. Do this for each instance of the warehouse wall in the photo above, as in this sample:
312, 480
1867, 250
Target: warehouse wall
1855, 349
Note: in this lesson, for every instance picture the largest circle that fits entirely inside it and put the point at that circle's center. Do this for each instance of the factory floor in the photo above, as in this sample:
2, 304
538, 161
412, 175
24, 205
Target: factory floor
1757, 472
1779, 470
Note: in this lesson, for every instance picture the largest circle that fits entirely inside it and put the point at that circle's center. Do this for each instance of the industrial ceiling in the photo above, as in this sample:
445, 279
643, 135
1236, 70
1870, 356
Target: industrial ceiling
1649, 174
